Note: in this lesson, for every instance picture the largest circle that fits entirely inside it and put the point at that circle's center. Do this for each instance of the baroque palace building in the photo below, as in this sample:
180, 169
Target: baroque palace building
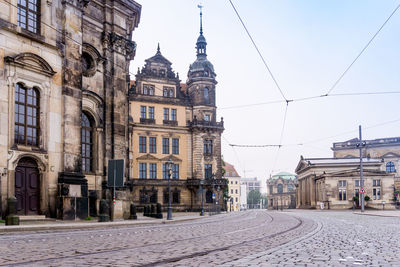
63, 101
336, 181
170, 120
281, 191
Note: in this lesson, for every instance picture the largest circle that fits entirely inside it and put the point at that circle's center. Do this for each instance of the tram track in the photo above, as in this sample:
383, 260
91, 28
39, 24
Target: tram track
171, 243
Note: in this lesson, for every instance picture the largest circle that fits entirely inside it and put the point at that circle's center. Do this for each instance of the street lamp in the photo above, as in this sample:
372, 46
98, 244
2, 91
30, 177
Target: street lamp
202, 201
169, 168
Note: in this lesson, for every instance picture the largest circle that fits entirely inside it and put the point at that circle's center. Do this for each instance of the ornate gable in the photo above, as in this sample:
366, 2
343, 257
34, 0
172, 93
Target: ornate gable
31, 62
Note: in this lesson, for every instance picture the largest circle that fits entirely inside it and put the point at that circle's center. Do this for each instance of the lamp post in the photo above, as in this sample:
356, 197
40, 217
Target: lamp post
169, 168
218, 205
202, 202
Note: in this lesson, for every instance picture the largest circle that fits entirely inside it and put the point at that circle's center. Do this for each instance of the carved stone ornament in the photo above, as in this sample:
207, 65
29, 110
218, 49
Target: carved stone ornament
115, 42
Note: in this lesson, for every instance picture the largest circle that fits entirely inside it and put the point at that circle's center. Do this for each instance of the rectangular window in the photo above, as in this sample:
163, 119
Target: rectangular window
173, 114
142, 170
28, 15
142, 144
376, 183
207, 117
208, 147
231, 191
175, 146
153, 171
151, 113
208, 171
152, 145
342, 194
357, 183
271, 189
376, 190
164, 171
175, 171
143, 113
166, 114
236, 191
165, 145
342, 190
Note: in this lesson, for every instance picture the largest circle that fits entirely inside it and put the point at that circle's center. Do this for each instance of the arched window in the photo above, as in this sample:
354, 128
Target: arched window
171, 93
209, 198
280, 188
26, 130
390, 167
87, 143
206, 96
165, 92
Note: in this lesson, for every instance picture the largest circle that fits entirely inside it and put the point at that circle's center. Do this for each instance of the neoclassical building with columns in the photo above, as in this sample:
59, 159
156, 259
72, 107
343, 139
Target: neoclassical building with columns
63, 106
335, 182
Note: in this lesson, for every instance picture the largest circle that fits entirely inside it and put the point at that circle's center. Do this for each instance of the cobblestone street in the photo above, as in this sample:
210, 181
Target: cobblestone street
251, 238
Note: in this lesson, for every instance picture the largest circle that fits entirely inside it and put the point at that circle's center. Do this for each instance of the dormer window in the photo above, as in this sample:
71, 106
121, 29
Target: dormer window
207, 117
148, 89
168, 92
154, 71
162, 72
205, 73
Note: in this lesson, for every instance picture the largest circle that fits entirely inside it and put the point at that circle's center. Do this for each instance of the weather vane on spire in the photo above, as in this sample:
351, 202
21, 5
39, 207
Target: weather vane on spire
201, 17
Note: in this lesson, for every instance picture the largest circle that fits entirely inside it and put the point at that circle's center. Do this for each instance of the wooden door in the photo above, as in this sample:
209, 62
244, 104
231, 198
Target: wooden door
27, 189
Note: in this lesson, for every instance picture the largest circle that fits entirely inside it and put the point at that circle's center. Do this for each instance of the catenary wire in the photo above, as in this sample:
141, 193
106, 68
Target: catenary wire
258, 51
362, 51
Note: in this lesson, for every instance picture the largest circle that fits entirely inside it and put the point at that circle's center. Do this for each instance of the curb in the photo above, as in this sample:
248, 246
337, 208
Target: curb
377, 215
79, 226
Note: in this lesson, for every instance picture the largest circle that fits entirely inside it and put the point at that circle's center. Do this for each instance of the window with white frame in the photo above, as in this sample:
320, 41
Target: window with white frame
376, 189
342, 190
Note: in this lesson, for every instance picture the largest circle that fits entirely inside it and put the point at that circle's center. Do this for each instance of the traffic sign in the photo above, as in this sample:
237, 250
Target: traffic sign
362, 190
213, 196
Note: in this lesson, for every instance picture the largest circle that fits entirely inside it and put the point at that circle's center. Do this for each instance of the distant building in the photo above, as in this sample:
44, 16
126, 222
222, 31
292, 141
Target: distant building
243, 196
281, 191
336, 181
233, 187
251, 184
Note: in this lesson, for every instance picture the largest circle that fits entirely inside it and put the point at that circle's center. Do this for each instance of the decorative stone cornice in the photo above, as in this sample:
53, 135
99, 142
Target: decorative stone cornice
119, 44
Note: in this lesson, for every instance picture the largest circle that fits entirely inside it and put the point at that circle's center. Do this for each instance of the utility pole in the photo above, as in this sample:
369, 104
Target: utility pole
361, 145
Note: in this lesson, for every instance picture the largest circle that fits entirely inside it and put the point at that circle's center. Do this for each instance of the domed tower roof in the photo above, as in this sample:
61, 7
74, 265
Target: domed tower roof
201, 68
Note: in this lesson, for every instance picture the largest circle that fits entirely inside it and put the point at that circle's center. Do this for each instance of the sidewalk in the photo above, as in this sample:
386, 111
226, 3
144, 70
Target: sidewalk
381, 213
81, 224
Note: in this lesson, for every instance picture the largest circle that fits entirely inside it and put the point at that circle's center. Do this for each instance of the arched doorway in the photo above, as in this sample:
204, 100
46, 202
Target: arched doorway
27, 187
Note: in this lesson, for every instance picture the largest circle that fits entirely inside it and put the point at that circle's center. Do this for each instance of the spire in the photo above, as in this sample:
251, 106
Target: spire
201, 43
201, 18
158, 49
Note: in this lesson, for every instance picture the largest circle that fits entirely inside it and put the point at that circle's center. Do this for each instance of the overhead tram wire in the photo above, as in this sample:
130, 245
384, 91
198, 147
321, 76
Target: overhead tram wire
362, 51
258, 51
310, 98
316, 140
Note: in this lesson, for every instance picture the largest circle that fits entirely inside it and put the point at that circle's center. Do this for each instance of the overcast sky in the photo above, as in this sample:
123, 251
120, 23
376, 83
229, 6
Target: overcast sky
307, 44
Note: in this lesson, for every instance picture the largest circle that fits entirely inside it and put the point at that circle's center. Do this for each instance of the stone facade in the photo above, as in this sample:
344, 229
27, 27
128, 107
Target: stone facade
76, 60
174, 121
281, 191
336, 181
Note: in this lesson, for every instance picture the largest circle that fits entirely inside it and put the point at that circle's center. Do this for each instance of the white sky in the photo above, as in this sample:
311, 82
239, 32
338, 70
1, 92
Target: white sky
308, 44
